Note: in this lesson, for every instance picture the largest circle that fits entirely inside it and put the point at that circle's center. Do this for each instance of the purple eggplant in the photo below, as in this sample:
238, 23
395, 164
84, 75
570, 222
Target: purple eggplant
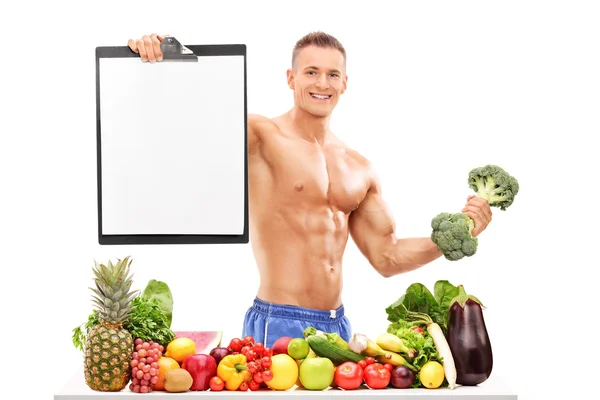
469, 340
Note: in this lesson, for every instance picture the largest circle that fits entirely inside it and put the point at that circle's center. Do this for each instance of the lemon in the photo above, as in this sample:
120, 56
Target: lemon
298, 348
180, 348
285, 372
432, 375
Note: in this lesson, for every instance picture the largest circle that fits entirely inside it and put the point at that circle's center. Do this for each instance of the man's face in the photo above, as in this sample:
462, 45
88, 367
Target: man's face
318, 80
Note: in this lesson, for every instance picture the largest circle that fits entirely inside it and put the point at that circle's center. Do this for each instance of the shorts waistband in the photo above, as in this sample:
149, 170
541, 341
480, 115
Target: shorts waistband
296, 312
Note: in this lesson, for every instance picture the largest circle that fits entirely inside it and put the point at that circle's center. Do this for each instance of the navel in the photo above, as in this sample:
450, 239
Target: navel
331, 270
298, 187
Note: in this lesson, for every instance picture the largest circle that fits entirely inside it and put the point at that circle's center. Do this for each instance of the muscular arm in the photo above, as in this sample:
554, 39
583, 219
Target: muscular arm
373, 229
253, 133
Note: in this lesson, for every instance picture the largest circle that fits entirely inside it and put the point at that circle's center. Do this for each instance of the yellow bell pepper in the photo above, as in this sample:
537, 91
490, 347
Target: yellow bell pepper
233, 371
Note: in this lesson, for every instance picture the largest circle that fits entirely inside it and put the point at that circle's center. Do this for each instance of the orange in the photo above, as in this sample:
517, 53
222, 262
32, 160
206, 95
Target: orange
164, 364
180, 348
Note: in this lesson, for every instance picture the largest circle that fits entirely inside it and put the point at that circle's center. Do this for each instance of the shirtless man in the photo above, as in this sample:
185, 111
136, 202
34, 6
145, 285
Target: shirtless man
308, 191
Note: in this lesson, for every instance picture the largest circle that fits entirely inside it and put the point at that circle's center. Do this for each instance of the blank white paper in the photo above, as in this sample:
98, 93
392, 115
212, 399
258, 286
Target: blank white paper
173, 146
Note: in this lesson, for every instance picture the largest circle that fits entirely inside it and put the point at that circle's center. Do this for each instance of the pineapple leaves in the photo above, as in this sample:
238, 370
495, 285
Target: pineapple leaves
147, 316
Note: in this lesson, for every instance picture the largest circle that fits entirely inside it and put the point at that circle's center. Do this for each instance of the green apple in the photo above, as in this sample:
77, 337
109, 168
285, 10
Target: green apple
316, 373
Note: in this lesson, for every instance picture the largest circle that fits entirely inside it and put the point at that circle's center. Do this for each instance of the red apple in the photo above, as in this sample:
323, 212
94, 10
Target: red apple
202, 368
280, 346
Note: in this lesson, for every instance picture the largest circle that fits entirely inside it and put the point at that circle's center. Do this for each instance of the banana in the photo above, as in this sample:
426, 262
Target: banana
395, 359
391, 342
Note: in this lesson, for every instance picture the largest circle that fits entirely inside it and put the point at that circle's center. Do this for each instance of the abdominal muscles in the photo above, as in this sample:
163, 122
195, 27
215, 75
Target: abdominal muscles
299, 253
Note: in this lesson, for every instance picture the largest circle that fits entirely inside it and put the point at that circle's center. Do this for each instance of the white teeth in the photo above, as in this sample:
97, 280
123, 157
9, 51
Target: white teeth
320, 96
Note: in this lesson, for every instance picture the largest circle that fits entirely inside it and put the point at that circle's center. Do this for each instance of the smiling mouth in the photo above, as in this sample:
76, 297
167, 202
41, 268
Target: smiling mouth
320, 96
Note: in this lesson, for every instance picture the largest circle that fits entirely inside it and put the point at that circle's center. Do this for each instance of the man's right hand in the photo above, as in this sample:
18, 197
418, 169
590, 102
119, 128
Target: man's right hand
148, 47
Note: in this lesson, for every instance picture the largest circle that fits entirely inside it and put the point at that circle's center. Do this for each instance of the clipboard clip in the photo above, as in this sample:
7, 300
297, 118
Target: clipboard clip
172, 50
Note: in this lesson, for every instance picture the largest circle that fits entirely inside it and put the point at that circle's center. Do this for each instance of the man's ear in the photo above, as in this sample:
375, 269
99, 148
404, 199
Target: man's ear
290, 78
345, 84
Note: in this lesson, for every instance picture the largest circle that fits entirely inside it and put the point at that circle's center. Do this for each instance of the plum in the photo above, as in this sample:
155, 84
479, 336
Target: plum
402, 377
219, 353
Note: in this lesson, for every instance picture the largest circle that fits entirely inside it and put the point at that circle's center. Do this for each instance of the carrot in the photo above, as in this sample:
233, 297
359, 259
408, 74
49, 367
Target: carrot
441, 344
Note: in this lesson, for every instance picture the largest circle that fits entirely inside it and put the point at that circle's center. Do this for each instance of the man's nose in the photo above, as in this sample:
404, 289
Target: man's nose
322, 82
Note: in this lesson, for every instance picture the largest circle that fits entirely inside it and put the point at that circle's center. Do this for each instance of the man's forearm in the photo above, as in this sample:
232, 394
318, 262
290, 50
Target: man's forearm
405, 255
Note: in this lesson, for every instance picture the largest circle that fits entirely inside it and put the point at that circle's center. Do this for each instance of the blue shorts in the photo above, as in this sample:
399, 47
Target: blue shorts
267, 322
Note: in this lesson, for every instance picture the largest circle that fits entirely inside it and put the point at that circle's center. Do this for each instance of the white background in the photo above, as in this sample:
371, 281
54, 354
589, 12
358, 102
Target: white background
435, 89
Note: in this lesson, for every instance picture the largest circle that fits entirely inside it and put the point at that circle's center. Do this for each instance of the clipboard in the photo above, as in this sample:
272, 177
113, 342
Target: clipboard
172, 150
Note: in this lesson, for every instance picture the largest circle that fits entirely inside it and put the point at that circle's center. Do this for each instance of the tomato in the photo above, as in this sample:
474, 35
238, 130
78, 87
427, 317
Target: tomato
265, 362
248, 341
257, 377
246, 349
243, 386
216, 384
259, 348
254, 386
377, 376
267, 352
267, 375
251, 367
362, 364
348, 375
389, 367
370, 360
236, 344
417, 329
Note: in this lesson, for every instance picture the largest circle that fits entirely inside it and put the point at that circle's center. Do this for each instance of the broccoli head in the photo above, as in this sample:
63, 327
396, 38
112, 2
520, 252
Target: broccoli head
495, 185
452, 235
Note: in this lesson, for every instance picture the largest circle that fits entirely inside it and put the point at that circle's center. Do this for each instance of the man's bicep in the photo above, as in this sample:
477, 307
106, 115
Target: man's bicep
372, 227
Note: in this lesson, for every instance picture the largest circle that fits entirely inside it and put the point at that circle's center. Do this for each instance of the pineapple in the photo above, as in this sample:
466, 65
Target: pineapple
109, 347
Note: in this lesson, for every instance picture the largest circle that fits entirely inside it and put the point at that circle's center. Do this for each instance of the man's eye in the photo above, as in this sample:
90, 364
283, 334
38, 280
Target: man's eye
335, 75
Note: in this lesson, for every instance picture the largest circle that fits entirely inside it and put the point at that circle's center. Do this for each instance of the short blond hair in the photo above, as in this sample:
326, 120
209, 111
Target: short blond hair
319, 39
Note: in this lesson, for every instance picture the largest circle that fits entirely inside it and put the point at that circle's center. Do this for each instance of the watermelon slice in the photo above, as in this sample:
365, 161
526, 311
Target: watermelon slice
205, 340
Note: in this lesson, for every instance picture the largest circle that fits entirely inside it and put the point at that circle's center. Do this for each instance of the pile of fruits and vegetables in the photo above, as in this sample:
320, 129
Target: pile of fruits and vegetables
432, 341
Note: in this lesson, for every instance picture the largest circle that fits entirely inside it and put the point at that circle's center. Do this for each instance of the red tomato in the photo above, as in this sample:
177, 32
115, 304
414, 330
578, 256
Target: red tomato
266, 362
251, 355
348, 375
417, 329
257, 377
243, 386
377, 376
236, 344
389, 367
267, 375
362, 364
370, 360
248, 341
259, 348
254, 386
216, 384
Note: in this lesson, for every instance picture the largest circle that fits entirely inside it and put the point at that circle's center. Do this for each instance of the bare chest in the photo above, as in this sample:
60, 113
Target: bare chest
306, 174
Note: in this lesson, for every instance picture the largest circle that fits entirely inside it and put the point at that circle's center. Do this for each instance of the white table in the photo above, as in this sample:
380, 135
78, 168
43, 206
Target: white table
493, 389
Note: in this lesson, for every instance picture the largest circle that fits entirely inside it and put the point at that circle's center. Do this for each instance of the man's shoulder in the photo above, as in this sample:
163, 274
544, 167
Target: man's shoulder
365, 164
261, 124
354, 154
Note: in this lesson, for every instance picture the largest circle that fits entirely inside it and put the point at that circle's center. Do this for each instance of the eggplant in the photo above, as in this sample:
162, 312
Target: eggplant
469, 340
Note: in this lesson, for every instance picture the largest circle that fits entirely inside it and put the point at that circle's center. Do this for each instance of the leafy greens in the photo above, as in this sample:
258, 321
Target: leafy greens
418, 298
150, 317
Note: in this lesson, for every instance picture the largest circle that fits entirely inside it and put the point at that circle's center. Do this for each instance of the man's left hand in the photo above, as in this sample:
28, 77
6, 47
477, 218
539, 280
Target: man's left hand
479, 210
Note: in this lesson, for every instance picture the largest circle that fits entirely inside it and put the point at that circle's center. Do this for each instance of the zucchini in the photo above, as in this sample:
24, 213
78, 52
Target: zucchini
324, 348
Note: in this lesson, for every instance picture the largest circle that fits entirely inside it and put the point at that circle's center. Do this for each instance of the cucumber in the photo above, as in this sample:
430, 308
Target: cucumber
323, 348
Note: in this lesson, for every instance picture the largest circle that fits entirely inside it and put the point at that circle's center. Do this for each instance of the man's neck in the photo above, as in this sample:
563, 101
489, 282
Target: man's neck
311, 128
